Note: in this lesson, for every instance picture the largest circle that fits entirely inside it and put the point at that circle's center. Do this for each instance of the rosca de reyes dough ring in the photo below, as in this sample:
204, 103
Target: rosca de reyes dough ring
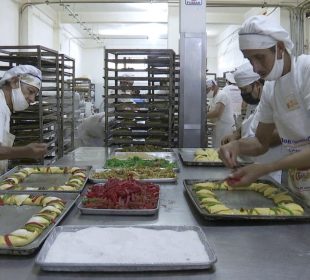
52, 207
74, 183
284, 203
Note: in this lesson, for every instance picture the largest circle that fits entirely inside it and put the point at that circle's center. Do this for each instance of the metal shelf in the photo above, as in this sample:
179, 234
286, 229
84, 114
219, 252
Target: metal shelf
147, 113
39, 123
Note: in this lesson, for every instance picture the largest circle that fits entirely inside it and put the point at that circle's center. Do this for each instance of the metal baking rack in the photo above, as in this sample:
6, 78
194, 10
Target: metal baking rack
39, 123
67, 74
143, 113
44, 121
84, 87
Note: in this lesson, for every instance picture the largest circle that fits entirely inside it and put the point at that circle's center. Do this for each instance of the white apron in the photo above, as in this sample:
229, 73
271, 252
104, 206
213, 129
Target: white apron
294, 129
221, 129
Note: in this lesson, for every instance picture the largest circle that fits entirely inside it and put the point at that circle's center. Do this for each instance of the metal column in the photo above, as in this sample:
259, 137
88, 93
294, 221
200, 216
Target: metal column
192, 73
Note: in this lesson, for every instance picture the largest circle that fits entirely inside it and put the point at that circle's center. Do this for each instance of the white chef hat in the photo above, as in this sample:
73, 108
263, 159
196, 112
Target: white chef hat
230, 78
262, 32
210, 83
28, 74
244, 75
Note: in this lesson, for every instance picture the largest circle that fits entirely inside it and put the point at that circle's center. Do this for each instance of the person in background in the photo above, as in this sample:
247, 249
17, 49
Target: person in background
18, 88
285, 105
221, 111
91, 131
234, 93
251, 87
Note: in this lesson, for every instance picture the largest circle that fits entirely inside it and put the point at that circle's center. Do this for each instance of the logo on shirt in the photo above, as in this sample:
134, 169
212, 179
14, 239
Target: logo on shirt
291, 103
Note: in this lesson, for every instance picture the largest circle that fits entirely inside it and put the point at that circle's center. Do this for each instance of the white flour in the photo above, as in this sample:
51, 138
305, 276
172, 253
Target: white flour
127, 246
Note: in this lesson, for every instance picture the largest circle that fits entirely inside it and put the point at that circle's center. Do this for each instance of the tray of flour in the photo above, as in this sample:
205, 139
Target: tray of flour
126, 248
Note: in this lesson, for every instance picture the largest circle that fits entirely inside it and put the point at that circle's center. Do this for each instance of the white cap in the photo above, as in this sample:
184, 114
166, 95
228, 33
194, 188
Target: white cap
230, 78
210, 83
28, 74
244, 75
262, 32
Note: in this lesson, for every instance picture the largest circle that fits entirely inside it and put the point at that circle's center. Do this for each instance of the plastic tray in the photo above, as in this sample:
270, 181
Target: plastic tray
13, 217
43, 181
154, 180
125, 267
241, 198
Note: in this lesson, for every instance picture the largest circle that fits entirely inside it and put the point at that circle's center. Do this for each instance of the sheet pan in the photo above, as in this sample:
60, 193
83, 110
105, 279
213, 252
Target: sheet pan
125, 267
245, 199
188, 158
118, 212
154, 180
13, 217
43, 181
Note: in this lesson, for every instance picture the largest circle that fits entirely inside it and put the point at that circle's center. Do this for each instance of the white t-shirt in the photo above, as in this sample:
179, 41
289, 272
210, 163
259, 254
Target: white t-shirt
5, 115
235, 96
286, 103
224, 98
283, 108
91, 131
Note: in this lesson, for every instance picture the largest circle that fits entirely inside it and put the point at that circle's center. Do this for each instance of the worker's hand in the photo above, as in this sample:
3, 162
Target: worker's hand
228, 138
246, 175
228, 153
35, 150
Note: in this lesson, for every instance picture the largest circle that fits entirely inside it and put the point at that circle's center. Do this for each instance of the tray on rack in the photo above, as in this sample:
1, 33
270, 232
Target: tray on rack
239, 203
187, 156
46, 181
98, 175
133, 259
13, 217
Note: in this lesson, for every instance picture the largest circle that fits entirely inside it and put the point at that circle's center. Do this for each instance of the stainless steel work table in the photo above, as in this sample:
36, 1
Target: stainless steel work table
245, 251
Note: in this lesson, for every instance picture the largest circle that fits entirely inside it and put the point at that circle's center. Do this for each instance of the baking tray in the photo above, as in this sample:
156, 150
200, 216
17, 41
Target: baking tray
118, 149
245, 199
188, 158
119, 212
170, 156
13, 217
125, 267
154, 180
48, 180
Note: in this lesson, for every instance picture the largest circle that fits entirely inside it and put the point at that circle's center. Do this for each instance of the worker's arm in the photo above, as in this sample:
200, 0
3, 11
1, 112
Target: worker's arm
275, 139
250, 173
251, 146
33, 150
217, 111
231, 137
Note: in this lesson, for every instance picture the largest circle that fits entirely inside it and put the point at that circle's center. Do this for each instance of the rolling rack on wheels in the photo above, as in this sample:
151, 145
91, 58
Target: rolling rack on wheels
141, 111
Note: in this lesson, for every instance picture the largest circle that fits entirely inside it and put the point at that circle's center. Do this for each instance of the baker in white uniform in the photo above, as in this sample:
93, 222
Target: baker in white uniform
221, 110
284, 105
251, 87
91, 131
18, 88
234, 93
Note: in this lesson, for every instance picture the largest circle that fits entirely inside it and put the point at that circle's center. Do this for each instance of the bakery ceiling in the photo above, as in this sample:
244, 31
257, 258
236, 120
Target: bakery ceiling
143, 19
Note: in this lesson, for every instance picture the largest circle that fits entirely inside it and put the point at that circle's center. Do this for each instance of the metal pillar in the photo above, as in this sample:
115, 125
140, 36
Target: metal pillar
192, 73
